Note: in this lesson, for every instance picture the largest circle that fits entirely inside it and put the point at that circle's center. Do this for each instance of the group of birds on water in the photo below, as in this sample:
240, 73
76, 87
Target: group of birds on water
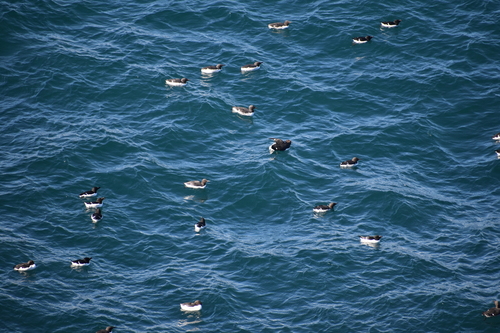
278, 145
96, 217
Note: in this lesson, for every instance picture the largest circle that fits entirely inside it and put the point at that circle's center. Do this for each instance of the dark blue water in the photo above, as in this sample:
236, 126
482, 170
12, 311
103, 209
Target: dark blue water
84, 103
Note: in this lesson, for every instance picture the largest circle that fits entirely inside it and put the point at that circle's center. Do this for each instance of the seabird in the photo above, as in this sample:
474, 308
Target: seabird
197, 183
324, 208
243, 110
496, 136
390, 24
97, 216
349, 163
279, 25
361, 40
200, 225
279, 145
106, 330
498, 152
191, 306
90, 193
25, 266
370, 239
251, 67
492, 312
212, 69
177, 82
94, 204
81, 262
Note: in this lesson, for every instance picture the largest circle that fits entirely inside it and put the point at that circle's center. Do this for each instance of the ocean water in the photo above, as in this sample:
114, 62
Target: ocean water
84, 103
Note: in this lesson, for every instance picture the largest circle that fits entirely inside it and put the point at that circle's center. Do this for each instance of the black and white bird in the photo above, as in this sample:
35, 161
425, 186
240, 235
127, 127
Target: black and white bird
279, 25
108, 329
390, 24
324, 208
95, 204
279, 145
81, 262
96, 216
212, 69
200, 225
89, 193
197, 183
370, 239
492, 312
249, 111
349, 163
191, 306
251, 67
496, 136
25, 266
177, 82
361, 40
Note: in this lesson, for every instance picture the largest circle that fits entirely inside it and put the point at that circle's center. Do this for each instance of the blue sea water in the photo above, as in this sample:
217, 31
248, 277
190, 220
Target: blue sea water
84, 103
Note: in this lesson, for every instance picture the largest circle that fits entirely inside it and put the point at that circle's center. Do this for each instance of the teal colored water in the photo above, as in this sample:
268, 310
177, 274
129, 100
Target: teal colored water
84, 103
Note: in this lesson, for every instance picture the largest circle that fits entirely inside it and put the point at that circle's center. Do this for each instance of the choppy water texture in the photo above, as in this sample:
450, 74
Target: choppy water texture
84, 103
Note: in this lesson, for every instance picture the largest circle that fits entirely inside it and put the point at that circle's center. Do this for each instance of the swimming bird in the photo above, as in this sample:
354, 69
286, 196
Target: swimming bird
177, 82
200, 225
324, 208
106, 330
94, 204
498, 152
496, 136
390, 24
361, 40
25, 266
349, 163
279, 145
492, 312
251, 67
243, 110
279, 25
212, 69
81, 262
97, 216
197, 183
192, 306
89, 193
370, 239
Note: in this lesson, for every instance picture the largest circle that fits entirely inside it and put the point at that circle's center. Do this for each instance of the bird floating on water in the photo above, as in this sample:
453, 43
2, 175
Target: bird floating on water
192, 306
279, 145
370, 239
200, 225
25, 266
197, 183
212, 69
106, 330
492, 312
81, 262
390, 24
362, 40
177, 82
89, 193
251, 67
496, 136
243, 110
96, 216
324, 208
349, 163
279, 25
95, 204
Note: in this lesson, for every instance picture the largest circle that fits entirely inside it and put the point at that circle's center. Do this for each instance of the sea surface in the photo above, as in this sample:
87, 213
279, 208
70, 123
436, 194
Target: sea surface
84, 104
